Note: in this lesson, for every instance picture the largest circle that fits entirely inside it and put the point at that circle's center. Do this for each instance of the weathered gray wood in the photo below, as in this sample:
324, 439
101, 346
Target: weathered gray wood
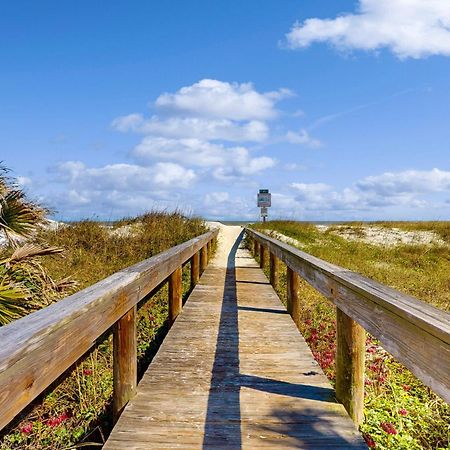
350, 353
274, 270
256, 248
175, 294
234, 373
293, 295
414, 332
263, 256
124, 361
34, 350
203, 259
195, 269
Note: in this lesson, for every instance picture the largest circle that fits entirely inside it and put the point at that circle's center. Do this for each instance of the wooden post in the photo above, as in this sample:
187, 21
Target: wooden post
263, 256
274, 266
195, 269
175, 295
257, 247
203, 259
350, 353
293, 295
124, 361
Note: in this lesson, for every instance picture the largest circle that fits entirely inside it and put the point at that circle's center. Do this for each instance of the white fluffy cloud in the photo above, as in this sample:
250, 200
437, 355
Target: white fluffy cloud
222, 100
124, 177
194, 127
407, 182
406, 188
225, 162
213, 110
409, 28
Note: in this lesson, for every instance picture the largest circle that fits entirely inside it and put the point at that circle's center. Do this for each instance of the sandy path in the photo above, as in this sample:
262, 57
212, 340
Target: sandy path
227, 237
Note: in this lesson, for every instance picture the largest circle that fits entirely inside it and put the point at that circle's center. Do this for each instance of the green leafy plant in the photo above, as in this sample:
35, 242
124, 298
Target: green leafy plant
25, 285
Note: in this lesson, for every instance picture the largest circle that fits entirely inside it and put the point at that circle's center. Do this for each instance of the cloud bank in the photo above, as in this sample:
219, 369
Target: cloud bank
408, 28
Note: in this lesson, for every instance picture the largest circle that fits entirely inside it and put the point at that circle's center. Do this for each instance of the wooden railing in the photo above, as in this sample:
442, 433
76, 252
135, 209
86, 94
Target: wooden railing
37, 349
415, 333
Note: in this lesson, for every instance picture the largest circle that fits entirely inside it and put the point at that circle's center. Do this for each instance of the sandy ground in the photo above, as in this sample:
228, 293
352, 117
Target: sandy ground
227, 237
386, 236
286, 239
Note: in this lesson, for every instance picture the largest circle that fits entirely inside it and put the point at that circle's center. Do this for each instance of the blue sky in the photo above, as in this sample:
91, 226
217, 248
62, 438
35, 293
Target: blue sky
340, 108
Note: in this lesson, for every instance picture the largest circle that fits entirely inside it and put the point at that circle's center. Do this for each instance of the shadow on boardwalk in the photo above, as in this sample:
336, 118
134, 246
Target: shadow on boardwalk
303, 428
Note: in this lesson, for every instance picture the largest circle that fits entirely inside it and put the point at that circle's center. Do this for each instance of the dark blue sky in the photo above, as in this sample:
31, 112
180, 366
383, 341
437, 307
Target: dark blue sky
365, 121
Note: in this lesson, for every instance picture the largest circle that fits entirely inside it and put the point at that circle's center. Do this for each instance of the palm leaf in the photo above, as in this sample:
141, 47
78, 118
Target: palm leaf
29, 251
18, 217
11, 302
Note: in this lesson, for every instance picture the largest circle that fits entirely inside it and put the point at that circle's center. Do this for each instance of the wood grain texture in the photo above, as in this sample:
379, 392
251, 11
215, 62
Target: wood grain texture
293, 295
350, 354
414, 332
38, 348
274, 271
263, 256
124, 361
175, 294
195, 269
234, 373
203, 259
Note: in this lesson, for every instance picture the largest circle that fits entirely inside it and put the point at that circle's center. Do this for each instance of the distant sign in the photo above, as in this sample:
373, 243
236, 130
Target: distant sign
264, 199
264, 212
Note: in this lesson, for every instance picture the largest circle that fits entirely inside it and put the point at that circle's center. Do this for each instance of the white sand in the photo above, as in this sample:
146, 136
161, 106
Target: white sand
226, 239
387, 237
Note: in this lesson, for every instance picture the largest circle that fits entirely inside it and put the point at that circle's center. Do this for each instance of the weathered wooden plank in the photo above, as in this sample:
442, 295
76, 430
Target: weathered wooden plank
233, 372
293, 295
195, 269
414, 332
38, 348
175, 294
274, 270
124, 361
350, 354
203, 259
263, 256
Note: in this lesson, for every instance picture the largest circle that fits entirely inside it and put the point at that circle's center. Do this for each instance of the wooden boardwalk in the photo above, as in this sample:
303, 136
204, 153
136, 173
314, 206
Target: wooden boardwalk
232, 373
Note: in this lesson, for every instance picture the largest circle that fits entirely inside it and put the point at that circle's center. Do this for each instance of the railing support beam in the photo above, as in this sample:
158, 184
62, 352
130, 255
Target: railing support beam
351, 340
195, 269
203, 259
124, 361
175, 295
274, 269
263, 256
256, 248
293, 295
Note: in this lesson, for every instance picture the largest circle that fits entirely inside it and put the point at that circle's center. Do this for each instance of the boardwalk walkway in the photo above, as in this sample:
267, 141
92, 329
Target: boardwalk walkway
234, 372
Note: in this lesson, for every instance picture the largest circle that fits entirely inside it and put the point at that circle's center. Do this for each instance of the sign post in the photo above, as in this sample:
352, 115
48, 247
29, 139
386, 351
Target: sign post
264, 201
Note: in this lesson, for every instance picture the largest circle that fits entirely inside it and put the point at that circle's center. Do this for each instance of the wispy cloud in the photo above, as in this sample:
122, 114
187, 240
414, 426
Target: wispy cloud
334, 116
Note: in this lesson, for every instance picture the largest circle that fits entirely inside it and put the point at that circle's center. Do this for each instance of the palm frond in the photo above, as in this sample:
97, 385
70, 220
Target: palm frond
29, 251
12, 298
18, 217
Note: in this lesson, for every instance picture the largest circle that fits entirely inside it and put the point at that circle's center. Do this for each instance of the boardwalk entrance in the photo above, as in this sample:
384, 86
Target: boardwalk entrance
234, 372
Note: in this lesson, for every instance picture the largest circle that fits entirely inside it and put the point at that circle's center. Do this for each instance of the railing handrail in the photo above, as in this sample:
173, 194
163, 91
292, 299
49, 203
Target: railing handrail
35, 350
416, 333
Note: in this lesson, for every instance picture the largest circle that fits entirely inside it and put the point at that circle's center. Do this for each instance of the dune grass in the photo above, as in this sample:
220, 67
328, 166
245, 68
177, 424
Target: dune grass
419, 418
77, 411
